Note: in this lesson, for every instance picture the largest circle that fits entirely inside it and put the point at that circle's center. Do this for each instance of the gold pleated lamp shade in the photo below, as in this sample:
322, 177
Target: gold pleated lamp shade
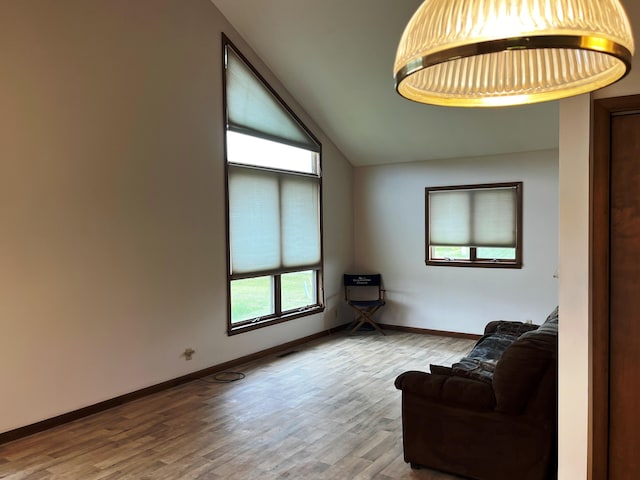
475, 53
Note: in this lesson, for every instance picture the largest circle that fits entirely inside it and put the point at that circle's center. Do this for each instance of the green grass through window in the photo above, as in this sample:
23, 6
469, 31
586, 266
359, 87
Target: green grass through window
252, 297
463, 253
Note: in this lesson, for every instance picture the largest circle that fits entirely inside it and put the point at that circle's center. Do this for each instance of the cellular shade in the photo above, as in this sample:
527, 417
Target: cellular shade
274, 220
473, 218
254, 110
299, 201
507, 52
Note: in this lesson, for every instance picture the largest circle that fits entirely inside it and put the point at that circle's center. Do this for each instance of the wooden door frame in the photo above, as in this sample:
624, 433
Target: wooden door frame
599, 277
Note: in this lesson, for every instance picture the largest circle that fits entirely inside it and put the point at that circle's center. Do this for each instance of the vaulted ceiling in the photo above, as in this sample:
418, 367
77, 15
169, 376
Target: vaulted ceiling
336, 58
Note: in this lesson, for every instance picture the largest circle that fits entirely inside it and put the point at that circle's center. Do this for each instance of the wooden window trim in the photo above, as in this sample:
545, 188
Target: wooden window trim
473, 261
278, 316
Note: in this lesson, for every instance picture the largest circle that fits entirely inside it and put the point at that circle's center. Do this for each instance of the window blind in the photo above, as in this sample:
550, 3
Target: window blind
274, 220
254, 110
483, 217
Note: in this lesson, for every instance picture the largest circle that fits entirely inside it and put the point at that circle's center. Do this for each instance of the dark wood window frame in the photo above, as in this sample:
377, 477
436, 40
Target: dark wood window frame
474, 260
278, 316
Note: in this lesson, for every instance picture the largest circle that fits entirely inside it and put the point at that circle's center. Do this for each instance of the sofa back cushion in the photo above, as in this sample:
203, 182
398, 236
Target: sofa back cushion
518, 373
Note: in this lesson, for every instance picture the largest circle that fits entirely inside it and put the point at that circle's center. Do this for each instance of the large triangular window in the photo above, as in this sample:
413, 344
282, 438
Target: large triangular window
274, 203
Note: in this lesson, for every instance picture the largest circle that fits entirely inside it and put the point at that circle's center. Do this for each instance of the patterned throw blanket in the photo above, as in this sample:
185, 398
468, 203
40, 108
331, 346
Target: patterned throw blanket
481, 361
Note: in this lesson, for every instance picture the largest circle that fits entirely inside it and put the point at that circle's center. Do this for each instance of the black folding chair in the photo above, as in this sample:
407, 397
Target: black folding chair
364, 293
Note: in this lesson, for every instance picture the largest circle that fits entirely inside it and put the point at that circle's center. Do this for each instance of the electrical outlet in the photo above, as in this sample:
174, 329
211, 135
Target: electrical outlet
188, 353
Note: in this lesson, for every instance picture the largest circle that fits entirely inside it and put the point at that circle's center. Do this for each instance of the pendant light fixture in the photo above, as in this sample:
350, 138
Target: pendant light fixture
481, 53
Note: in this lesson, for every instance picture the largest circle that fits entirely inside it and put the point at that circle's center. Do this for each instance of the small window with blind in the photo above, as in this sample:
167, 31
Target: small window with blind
474, 225
273, 203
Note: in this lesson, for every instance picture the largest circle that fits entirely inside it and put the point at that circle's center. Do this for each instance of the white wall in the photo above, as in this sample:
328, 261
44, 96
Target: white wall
390, 235
573, 360
112, 223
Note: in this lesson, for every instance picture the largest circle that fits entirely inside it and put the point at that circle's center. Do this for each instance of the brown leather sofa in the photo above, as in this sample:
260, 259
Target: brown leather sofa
497, 421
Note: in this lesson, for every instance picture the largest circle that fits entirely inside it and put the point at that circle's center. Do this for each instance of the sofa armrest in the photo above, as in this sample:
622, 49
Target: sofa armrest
421, 383
492, 327
453, 390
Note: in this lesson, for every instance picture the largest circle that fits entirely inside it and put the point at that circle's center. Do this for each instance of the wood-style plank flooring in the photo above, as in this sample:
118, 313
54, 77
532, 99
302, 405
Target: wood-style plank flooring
326, 410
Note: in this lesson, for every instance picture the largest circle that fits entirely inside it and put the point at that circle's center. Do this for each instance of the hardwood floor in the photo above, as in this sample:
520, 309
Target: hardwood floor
326, 410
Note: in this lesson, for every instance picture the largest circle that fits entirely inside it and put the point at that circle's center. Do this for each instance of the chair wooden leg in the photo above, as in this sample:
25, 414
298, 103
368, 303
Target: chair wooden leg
370, 322
358, 325
362, 318
375, 325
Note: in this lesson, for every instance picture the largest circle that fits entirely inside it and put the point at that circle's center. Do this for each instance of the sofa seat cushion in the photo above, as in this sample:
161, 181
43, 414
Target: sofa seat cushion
461, 392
